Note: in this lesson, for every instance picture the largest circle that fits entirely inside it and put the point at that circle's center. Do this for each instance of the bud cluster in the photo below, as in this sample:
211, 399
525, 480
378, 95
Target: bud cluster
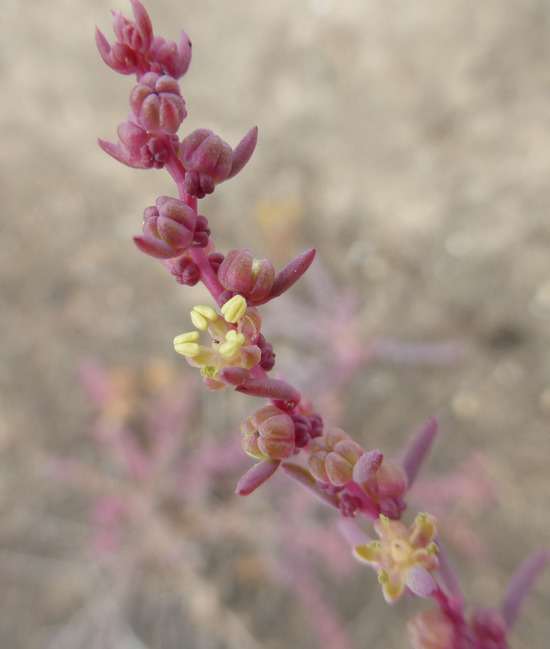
170, 228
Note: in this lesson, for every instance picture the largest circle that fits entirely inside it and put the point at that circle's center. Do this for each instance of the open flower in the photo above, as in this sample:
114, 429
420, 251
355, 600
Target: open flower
233, 351
403, 556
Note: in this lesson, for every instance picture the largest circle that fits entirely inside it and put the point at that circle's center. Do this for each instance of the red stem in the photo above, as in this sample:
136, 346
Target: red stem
208, 276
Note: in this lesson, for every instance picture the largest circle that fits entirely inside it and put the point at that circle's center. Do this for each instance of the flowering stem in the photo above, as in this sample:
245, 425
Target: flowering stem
208, 276
339, 471
174, 167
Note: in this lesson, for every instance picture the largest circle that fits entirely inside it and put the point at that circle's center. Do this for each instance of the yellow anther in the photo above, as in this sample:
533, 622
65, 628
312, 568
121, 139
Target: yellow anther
383, 576
369, 552
189, 337
234, 309
424, 522
432, 548
186, 344
233, 343
202, 316
210, 371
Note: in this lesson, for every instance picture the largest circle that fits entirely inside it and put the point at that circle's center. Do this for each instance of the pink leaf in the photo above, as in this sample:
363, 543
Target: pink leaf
256, 476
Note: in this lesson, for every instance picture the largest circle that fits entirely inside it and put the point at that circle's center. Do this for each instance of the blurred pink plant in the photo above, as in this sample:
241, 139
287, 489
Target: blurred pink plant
447, 495
151, 486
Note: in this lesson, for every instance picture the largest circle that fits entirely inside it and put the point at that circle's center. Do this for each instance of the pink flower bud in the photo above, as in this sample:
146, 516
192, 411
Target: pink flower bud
203, 151
215, 259
209, 160
168, 228
137, 148
267, 359
168, 58
157, 151
241, 273
139, 34
157, 103
268, 434
316, 424
392, 507
120, 57
367, 465
133, 142
139, 51
333, 456
129, 54
202, 232
198, 184
389, 481
302, 428
186, 271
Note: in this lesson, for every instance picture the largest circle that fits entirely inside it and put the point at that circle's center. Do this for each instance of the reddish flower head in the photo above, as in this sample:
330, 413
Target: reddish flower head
333, 456
167, 57
138, 51
209, 160
240, 272
168, 228
268, 434
137, 148
157, 103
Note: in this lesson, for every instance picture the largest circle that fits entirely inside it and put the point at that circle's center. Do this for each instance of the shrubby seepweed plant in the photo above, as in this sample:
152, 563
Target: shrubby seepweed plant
285, 432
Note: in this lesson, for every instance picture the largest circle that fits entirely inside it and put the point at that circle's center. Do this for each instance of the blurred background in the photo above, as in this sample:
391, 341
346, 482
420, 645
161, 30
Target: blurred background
408, 142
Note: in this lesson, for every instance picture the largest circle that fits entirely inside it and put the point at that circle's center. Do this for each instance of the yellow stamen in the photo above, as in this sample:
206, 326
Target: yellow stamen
189, 337
233, 343
383, 576
432, 548
202, 316
186, 344
234, 309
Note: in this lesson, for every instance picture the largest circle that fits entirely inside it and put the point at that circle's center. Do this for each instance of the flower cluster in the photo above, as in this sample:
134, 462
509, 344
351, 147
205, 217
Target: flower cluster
360, 484
234, 350
403, 556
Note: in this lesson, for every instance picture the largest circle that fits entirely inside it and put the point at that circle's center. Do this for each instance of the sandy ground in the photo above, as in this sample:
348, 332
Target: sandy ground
408, 142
